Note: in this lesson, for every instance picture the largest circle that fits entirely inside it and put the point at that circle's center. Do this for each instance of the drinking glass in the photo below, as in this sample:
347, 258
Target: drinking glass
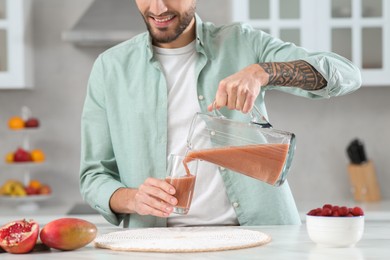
181, 174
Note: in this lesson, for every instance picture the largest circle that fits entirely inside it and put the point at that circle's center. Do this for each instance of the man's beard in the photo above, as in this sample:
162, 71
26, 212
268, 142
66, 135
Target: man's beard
167, 37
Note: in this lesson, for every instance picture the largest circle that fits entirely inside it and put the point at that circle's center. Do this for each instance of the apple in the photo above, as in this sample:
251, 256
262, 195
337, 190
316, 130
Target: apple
45, 189
22, 155
31, 122
31, 190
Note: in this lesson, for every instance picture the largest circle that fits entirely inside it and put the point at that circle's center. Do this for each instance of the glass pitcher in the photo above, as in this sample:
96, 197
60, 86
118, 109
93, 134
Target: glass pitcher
251, 148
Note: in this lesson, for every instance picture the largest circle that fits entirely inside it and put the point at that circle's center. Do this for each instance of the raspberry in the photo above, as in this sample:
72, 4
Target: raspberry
335, 213
357, 211
343, 211
326, 212
329, 210
319, 211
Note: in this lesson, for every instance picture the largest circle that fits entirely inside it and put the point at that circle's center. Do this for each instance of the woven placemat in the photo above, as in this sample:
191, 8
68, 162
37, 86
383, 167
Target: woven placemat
182, 239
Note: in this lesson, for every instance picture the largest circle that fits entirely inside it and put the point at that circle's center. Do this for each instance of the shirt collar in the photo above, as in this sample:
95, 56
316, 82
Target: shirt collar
199, 30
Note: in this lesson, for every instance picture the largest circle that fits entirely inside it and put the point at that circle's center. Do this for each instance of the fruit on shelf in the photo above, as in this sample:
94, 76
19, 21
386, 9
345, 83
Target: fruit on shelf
329, 210
9, 158
16, 123
22, 155
31, 191
35, 187
44, 190
37, 155
19, 237
15, 188
31, 122
35, 184
68, 233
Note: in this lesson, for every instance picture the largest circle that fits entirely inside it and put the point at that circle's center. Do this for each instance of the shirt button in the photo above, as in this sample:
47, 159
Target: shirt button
201, 97
235, 204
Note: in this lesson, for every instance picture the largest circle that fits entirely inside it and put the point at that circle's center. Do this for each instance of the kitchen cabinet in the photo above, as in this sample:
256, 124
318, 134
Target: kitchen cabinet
356, 29
15, 44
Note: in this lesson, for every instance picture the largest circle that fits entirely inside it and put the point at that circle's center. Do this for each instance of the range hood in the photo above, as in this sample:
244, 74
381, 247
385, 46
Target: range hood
106, 23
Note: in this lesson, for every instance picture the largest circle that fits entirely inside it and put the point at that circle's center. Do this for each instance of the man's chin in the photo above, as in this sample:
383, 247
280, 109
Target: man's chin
158, 38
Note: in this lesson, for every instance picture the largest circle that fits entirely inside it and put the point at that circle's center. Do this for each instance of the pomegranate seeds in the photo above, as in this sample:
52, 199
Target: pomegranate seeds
329, 210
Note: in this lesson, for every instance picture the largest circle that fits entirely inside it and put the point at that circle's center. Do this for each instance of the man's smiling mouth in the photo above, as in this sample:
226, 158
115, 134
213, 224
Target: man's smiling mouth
163, 19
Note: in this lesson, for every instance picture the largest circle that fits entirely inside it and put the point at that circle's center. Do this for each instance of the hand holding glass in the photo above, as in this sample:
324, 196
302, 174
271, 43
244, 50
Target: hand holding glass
181, 174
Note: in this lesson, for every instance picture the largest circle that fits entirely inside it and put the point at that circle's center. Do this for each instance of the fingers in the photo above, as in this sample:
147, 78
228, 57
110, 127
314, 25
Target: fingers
147, 205
232, 97
240, 90
221, 97
155, 197
235, 96
248, 104
158, 193
165, 186
241, 98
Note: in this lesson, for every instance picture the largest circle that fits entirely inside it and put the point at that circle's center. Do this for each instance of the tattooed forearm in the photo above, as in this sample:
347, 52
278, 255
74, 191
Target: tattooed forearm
295, 74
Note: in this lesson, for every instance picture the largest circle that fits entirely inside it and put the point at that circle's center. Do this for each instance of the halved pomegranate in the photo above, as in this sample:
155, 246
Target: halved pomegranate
19, 237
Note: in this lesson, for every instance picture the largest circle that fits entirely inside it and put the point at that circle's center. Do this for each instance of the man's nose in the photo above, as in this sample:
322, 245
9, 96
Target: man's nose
158, 7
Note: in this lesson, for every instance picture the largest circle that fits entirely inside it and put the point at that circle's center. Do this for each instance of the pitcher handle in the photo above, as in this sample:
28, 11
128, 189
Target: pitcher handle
216, 111
256, 116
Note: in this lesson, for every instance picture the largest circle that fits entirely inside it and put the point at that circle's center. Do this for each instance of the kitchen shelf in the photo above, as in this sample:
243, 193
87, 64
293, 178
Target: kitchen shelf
24, 164
27, 203
24, 199
26, 130
23, 169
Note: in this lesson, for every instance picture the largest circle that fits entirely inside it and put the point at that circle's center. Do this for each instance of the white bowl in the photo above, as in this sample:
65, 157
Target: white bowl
335, 231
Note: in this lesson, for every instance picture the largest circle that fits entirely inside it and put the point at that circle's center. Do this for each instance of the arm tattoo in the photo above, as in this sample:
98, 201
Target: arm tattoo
294, 74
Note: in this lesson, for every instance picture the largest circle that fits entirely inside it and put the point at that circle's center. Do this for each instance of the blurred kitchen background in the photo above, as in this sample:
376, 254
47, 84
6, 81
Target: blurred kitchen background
63, 49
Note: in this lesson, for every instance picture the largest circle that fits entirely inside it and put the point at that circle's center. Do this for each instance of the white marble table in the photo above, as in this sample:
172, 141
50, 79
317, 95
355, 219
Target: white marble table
288, 242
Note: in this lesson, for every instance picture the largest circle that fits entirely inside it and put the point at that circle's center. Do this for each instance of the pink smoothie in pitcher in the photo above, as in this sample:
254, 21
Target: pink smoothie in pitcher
264, 162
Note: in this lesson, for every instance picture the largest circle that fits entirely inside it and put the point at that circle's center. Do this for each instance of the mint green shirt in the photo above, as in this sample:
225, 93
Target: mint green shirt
124, 121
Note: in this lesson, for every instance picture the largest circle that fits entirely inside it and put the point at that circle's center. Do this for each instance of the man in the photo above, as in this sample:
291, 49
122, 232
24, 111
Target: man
143, 93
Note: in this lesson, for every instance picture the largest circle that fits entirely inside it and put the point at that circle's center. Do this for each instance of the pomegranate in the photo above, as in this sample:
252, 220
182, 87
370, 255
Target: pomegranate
19, 237
68, 233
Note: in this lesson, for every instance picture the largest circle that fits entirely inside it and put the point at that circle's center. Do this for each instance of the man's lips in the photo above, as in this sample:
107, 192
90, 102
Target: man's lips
163, 21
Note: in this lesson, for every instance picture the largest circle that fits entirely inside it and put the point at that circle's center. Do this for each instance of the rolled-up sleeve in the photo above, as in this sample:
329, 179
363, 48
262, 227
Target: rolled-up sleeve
342, 75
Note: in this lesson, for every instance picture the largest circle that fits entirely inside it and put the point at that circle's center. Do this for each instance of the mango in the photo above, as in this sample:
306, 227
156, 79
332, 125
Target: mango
68, 233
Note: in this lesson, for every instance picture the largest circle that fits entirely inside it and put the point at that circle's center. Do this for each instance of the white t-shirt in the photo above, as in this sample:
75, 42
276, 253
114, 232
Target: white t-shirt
210, 204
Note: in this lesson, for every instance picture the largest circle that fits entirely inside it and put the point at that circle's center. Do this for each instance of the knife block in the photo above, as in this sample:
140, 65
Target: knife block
364, 182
